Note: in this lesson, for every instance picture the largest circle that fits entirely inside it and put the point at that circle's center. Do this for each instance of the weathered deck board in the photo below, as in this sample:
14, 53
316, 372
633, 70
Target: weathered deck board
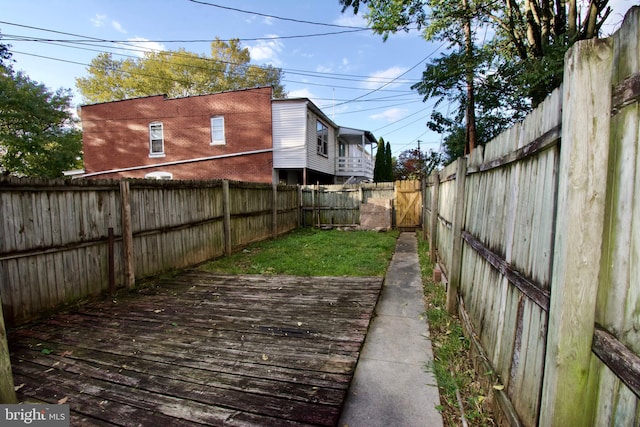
202, 349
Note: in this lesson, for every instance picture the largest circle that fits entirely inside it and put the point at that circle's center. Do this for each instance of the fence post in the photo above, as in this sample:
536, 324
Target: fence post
300, 207
423, 219
7, 392
568, 393
111, 254
274, 222
455, 272
226, 212
433, 240
127, 235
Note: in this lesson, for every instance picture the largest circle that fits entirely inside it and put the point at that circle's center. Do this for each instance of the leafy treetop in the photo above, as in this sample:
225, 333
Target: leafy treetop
177, 73
518, 63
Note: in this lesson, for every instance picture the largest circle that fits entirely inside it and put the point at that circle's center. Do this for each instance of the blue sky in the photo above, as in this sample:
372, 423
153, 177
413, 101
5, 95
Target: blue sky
354, 77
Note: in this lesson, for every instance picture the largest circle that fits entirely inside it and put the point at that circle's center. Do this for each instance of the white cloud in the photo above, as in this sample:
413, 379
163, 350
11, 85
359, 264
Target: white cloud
323, 69
348, 19
267, 51
306, 93
118, 27
268, 20
301, 93
379, 78
98, 20
390, 115
146, 45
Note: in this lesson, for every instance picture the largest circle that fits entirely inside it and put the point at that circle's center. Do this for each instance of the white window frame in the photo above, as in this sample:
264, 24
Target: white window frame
159, 175
217, 127
322, 134
153, 153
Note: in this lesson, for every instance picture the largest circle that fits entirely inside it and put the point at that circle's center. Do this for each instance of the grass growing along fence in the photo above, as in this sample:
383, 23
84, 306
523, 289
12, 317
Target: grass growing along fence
313, 252
461, 394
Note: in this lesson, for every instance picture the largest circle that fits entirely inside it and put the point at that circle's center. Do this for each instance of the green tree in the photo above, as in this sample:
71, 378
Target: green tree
37, 133
414, 164
501, 80
177, 73
5, 55
388, 163
379, 169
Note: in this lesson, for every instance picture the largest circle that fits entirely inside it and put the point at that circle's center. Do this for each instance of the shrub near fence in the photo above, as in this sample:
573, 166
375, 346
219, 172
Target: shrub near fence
546, 273
55, 246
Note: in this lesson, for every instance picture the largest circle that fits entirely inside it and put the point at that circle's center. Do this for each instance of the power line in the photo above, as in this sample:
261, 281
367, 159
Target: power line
83, 40
134, 73
304, 73
95, 39
404, 118
364, 110
275, 17
388, 83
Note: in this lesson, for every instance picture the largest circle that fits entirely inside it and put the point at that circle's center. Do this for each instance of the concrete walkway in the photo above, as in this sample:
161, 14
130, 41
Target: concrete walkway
392, 385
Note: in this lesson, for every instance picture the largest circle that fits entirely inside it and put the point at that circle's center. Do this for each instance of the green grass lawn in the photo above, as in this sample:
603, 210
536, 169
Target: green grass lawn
313, 252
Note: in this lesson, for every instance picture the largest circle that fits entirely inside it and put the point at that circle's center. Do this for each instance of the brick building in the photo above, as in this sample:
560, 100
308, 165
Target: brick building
226, 135
241, 135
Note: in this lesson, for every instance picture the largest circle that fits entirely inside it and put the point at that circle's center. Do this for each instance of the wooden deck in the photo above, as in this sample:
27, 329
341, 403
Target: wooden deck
202, 349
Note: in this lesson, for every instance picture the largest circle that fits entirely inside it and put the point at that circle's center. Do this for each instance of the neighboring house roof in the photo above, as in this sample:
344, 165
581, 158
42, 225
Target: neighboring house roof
177, 97
313, 107
355, 135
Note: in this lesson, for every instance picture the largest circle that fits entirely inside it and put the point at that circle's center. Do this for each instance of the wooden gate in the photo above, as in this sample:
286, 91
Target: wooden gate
408, 204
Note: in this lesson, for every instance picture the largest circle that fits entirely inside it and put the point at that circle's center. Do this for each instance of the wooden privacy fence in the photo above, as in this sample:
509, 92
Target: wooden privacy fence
538, 236
339, 205
55, 234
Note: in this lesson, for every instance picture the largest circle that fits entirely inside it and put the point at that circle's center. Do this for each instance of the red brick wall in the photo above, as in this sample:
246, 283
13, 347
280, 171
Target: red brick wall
116, 135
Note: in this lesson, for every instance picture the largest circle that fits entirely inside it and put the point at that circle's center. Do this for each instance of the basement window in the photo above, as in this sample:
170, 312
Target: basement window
156, 140
159, 175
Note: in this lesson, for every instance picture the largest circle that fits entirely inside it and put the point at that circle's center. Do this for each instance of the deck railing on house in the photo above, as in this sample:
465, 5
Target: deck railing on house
355, 166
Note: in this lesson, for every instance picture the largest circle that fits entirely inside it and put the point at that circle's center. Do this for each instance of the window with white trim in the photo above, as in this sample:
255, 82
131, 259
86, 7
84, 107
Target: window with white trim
217, 130
322, 133
159, 175
156, 140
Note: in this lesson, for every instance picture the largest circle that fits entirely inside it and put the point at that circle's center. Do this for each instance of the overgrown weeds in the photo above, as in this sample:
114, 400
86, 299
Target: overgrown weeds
313, 252
460, 392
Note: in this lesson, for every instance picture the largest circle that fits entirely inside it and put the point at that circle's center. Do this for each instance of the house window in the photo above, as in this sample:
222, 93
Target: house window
323, 138
159, 175
342, 150
217, 130
156, 140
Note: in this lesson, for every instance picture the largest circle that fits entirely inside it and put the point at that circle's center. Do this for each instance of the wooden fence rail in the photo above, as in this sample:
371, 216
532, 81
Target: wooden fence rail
339, 205
543, 267
55, 234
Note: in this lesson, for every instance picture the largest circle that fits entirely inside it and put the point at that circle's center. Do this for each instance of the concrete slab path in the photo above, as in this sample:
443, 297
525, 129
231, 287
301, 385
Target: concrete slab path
392, 385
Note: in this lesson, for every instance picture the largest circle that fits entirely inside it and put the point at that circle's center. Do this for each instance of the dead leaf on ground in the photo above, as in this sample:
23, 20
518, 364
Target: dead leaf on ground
63, 400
